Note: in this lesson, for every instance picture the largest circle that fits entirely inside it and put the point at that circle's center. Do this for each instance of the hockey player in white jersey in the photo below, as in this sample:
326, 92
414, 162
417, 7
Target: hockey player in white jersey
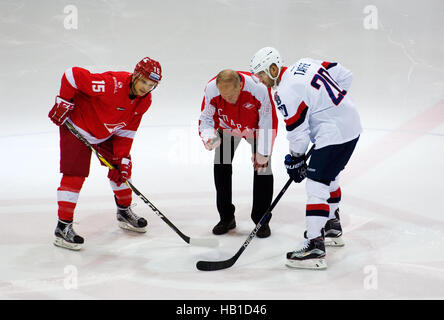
313, 98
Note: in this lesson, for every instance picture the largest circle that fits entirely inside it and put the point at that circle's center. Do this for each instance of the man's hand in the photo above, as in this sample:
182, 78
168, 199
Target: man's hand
212, 143
260, 162
122, 173
60, 111
296, 167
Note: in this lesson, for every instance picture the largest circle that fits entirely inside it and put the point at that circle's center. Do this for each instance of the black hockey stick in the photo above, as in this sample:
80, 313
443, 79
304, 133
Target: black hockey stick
187, 239
219, 265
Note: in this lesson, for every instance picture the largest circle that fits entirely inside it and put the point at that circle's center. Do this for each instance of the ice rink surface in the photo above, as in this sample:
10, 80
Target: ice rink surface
391, 211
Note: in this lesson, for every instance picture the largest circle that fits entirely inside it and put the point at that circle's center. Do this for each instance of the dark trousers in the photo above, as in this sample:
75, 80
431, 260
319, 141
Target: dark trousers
262, 182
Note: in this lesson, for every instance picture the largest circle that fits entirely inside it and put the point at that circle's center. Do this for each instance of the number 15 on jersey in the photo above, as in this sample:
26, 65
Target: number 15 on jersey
98, 86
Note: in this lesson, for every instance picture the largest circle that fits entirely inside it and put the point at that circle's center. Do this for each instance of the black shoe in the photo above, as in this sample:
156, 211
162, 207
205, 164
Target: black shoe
264, 231
224, 226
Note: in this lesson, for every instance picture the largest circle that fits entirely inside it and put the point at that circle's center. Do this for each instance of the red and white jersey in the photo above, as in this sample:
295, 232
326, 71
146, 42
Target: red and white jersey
253, 115
312, 96
103, 108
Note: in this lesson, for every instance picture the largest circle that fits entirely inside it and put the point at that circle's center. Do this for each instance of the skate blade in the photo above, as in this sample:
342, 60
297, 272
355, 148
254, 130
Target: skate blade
67, 245
129, 227
314, 264
334, 242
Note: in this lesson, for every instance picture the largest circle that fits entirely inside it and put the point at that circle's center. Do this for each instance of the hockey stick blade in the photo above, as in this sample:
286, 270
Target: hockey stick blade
215, 265
225, 264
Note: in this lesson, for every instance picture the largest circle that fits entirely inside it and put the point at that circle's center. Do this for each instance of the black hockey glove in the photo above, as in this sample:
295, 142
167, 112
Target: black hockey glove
296, 167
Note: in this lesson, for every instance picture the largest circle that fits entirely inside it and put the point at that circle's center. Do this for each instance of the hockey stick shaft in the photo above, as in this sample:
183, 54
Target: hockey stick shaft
187, 239
219, 265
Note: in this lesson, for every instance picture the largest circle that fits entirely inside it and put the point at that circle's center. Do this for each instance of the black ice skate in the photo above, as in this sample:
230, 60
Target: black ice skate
310, 256
66, 237
128, 220
333, 232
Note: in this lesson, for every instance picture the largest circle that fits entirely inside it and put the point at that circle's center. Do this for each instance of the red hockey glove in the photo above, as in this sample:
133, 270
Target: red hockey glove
60, 111
122, 173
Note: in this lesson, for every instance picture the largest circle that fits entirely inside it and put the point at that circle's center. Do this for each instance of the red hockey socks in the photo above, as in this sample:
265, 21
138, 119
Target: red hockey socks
67, 196
123, 194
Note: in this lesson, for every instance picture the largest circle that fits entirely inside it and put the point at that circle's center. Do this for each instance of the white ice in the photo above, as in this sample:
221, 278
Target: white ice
391, 209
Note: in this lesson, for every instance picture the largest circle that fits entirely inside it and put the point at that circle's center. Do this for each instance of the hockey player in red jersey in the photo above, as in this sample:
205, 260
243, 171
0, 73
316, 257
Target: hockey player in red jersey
106, 108
312, 97
235, 107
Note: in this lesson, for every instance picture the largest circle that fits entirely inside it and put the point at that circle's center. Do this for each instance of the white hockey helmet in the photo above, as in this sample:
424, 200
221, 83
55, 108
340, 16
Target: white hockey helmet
263, 59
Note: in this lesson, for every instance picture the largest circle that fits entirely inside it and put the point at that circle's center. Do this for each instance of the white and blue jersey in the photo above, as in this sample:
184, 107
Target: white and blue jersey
312, 96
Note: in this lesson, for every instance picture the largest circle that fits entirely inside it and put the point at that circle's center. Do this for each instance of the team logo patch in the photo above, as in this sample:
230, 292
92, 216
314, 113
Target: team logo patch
248, 106
112, 127
154, 76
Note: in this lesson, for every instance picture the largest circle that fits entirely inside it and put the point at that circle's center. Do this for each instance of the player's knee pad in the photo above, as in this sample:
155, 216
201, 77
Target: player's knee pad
317, 192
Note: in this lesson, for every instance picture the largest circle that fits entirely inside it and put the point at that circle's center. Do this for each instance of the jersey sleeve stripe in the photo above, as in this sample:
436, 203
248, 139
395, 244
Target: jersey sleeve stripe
70, 77
126, 133
298, 118
328, 65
